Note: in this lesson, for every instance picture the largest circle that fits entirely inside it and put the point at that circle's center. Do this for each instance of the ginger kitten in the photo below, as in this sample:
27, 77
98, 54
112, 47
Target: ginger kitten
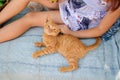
67, 45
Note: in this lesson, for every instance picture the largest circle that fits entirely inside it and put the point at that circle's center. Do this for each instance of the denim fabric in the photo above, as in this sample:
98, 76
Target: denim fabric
112, 31
16, 62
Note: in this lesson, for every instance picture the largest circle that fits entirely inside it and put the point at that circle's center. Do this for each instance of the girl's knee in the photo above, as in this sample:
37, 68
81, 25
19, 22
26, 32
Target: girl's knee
29, 15
30, 18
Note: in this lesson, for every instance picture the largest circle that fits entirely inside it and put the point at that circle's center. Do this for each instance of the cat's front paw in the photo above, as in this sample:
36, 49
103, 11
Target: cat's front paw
38, 44
34, 55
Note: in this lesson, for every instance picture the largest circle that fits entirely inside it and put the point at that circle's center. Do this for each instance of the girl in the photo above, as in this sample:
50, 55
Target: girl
80, 18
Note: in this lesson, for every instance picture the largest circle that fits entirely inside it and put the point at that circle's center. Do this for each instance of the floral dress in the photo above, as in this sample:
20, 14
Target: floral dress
83, 14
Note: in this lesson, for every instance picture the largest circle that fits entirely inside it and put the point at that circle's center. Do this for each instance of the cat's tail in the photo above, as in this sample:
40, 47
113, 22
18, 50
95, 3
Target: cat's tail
95, 45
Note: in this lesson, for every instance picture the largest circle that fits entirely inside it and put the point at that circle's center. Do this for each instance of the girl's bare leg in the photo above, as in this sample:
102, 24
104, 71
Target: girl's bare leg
13, 8
18, 27
16, 6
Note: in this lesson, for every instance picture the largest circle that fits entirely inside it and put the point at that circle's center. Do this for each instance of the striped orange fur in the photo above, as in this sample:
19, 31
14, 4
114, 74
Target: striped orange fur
67, 45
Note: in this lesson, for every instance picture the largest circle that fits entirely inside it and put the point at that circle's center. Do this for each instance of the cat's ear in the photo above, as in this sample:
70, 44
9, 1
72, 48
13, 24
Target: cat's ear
46, 20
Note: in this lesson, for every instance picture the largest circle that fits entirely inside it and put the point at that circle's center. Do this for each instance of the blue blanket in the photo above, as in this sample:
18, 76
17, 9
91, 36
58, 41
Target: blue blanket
16, 62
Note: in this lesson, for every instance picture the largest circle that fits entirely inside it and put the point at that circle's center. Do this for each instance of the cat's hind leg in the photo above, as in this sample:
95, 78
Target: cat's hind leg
73, 65
47, 50
39, 44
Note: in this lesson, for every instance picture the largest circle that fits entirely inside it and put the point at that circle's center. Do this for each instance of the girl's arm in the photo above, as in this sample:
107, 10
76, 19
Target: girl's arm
99, 30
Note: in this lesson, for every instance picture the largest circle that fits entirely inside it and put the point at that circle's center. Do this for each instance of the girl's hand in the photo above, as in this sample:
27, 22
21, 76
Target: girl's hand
65, 29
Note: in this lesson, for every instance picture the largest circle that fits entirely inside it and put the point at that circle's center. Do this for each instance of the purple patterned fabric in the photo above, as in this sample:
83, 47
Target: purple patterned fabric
82, 14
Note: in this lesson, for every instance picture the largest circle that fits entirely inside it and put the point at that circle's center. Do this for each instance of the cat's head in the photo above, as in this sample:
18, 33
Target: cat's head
50, 28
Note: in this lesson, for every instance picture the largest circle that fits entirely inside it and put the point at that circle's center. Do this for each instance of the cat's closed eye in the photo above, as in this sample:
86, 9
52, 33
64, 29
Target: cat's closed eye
48, 26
